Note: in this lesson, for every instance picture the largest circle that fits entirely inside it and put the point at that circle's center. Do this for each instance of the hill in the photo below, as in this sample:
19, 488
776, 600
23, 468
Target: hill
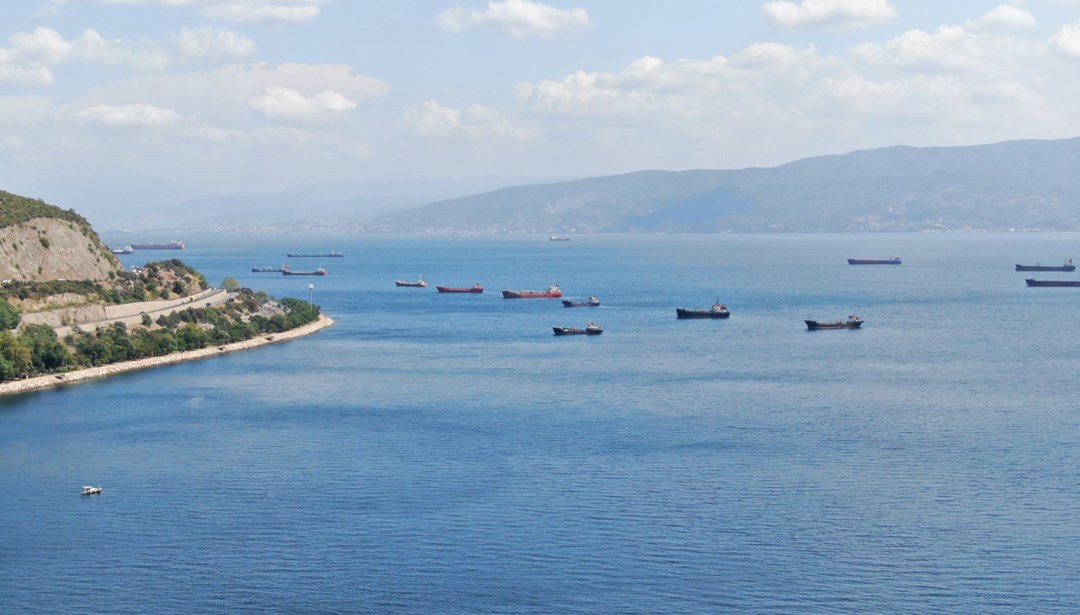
41, 242
67, 304
1016, 185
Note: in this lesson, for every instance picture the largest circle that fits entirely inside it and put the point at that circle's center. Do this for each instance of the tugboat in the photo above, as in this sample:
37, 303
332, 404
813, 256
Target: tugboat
718, 310
590, 329
419, 283
592, 301
892, 260
475, 288
852, 322
1066, 266
552, 292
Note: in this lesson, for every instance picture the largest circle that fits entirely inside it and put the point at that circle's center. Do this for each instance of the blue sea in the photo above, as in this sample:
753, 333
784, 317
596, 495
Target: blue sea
447, 454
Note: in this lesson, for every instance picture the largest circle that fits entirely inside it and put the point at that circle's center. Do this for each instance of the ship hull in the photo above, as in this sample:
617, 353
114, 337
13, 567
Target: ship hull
450, 289
870, 261
318, 255
814, 325
577, 330
685, 313
1059, 283
303, 273
1045, 268
531, 294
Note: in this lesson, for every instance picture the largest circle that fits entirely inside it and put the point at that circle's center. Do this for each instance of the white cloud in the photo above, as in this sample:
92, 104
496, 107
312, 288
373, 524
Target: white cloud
129, 115
1066, 41
519, 18
11, 143
20, 112
778, 57
208, 133
46, 47
209, 42
650, 85
950, 48
431, 119
25, 74
1004, 16
918, 96
287, 104
43, 45
838, 13
270, 12
263, 12
92, 46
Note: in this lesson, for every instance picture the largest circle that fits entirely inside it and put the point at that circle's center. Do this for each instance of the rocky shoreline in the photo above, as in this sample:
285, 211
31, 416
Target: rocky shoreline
82, 375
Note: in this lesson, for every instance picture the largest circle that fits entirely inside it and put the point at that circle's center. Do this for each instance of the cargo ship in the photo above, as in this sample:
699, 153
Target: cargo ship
420, 282
123, 250
590, 329
1066, 266
285, 270
314, 255
1031, 282
718, 310
892, 260
552, 292
172, 245
258, 269
476, 288
592, 301
852, 322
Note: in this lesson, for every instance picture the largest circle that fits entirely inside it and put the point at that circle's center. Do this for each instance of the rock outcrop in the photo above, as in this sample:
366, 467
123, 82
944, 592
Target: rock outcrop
41, 242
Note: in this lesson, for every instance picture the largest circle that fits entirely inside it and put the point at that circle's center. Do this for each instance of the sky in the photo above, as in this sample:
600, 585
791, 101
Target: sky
262, 95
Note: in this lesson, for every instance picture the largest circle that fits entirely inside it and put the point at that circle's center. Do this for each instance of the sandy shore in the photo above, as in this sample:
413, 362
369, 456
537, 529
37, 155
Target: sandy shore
44, 382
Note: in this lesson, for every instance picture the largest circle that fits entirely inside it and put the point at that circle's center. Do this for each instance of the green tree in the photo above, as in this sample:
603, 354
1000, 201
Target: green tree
191, 337
15, 359
47, 354
9, 315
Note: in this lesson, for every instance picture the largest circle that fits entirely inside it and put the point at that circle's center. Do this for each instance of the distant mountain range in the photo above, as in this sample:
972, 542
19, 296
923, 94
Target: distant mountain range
1016, 185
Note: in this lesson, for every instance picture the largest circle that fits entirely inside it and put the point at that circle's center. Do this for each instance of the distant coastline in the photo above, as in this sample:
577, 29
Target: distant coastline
45, 382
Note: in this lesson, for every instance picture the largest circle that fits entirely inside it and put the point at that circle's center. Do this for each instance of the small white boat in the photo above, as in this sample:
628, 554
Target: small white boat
90, 490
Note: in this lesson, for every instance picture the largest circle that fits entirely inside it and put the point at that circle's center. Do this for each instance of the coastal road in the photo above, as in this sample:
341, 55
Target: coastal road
132, 313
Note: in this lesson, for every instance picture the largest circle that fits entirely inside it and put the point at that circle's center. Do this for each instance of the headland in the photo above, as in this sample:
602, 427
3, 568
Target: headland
14, 387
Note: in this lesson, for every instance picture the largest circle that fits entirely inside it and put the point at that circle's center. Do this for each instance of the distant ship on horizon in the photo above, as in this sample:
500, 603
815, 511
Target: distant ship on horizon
314, 255
1066, 266
892, 260
175, 244
285, 270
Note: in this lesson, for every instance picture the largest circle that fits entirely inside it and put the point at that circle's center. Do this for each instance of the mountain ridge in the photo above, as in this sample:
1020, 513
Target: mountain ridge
1026, 184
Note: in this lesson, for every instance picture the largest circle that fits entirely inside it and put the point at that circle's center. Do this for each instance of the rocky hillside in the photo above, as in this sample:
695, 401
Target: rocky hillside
40, 242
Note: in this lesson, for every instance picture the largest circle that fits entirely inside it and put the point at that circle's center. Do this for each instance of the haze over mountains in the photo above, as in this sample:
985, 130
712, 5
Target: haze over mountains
1014, 185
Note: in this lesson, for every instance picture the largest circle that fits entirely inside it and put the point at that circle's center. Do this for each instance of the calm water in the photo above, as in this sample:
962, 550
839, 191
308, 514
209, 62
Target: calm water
446, 453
